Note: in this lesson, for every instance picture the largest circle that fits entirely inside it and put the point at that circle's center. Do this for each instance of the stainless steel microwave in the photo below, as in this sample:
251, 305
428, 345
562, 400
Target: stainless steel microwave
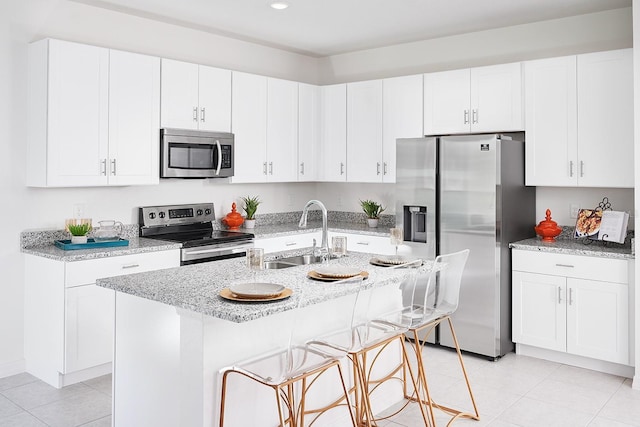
195, 154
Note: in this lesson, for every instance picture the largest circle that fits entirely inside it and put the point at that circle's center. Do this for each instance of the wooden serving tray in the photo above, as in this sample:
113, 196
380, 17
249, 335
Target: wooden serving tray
228, 295
314, 275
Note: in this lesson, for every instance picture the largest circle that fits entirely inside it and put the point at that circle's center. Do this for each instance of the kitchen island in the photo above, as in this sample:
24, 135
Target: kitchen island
174, 333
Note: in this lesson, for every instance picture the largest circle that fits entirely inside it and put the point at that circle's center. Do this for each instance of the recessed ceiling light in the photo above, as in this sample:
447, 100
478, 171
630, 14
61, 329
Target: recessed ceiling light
279, 5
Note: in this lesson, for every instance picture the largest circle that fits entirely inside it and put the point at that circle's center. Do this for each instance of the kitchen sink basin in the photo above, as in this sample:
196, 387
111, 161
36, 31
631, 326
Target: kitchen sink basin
292, 261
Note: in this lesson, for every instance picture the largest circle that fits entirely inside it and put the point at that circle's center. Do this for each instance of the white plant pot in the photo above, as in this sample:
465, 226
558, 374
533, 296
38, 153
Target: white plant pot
249, 223
78, 239
372, 222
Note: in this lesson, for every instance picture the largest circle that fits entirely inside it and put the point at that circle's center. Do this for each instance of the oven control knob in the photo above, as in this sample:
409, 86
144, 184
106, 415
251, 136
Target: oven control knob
207, 211
152, 215
161, 214
199, 212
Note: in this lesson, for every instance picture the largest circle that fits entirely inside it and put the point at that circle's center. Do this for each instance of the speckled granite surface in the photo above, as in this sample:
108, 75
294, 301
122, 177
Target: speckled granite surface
572, 246
136, 246
196, 287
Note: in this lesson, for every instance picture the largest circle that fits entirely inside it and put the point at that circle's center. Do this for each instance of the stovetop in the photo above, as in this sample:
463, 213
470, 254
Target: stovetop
203, 238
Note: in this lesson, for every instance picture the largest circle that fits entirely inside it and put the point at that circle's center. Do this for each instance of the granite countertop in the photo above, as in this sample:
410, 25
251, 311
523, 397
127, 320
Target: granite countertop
275, 230
196, 287
136, 245
572, 246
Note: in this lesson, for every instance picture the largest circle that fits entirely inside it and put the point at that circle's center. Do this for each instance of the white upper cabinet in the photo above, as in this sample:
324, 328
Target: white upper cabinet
579, 120
134, 118
402, 115
249, 126
282, 130
91, 118
195, 96
308, 131
605, 119
333, 133
551, 115
265, 124
483, 99
364, 131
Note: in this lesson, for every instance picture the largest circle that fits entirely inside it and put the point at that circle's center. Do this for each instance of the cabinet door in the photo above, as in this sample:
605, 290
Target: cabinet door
134, 118
539, 310
282, 130
551, 122
89, 321
333, 132
214, 99
598, 320
179, 88
289, 242
77, 114
402, 117
308, 131
496, 98
364, 131
446, 102
369, 244
605, 119
249, 125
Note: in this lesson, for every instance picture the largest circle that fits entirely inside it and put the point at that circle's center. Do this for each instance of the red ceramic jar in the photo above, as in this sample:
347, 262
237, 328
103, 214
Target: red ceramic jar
548, 229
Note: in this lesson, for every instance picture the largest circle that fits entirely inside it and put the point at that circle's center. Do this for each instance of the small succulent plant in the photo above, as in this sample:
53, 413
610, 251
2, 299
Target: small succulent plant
79, 229
371, 208
250, 206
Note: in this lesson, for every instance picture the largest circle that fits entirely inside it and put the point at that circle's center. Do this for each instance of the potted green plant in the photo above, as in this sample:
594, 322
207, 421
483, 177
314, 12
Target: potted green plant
250, 207
79, 232
373, 210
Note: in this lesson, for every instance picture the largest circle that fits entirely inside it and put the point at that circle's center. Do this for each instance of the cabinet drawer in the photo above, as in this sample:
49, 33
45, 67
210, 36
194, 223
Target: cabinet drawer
370, 244
577, 266
285, 243
86, 272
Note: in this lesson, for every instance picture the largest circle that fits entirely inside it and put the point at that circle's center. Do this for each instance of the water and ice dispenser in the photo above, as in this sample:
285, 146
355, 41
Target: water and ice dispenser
415, 223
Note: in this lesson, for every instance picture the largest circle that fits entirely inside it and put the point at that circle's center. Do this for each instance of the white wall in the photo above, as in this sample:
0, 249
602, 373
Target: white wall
29, 208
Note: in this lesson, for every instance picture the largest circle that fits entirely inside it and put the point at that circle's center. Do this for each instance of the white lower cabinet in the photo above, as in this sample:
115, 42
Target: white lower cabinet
69, 320
289, 242
367, 243
573, 304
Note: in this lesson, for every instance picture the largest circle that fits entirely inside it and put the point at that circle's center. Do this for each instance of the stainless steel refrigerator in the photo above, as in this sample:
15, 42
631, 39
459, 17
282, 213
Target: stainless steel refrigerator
458, 192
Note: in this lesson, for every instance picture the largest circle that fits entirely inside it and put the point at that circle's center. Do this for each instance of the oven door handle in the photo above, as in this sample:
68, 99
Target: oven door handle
233, 248
219, 157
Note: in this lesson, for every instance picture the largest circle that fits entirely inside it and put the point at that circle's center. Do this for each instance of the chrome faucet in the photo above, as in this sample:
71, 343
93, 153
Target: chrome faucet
324, 245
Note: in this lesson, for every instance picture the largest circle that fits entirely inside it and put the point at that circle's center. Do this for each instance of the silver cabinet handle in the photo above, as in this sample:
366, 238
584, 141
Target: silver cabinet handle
559, 294
113, 167
564, 265
570, 296
202, 114
581, 168
302, 168
219, 153
270, 168
195, 114
474, 116
466, 117
290, 244
264, 168
570, 168
378, 168
124, 267
103, 167
341, 168
384, 168
362, 243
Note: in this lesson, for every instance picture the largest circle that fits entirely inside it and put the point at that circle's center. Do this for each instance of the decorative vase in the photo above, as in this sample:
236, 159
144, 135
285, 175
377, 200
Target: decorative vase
78, 239
233, 220
372, 222
548, 229
249, 223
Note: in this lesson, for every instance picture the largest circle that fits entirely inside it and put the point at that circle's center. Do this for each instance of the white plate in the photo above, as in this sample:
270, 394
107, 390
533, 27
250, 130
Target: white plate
338, 271
395, 260
256, 290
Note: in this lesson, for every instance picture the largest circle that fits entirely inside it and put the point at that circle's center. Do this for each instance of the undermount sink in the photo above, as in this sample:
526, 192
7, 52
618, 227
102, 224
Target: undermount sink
292, 261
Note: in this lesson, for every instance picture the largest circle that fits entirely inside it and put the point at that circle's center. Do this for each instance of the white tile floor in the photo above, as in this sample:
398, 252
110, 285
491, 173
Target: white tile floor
515, 391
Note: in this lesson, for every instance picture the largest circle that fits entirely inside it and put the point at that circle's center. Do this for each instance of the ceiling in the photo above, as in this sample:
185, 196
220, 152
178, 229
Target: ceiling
328, 27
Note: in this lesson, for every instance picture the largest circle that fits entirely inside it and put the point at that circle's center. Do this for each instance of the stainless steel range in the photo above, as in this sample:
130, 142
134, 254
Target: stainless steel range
192, 226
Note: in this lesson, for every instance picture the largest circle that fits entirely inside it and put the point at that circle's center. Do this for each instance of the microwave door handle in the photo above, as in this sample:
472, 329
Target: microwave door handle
219, 157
